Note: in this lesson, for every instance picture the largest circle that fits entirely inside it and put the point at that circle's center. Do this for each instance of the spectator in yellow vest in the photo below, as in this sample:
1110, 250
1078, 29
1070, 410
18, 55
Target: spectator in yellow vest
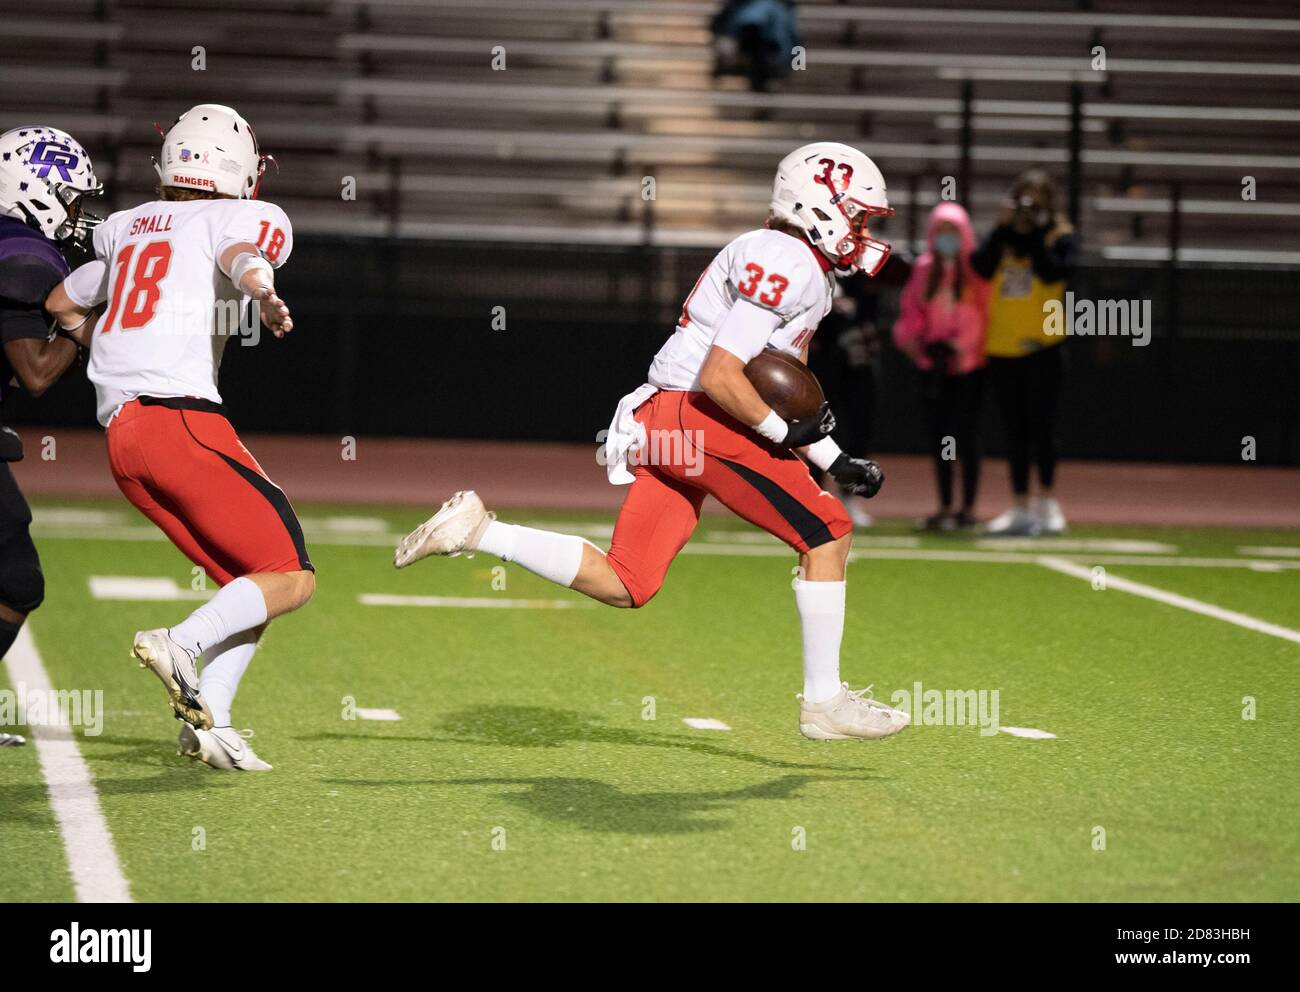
1029, 257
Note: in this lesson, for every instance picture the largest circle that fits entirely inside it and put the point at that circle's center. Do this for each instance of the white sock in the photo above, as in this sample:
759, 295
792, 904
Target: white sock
552, 556
225, 666
237, 607
821, 616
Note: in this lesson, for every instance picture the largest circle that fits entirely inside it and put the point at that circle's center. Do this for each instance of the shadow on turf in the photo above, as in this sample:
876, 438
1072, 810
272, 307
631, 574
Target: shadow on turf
602, 808
29, 803
540, 726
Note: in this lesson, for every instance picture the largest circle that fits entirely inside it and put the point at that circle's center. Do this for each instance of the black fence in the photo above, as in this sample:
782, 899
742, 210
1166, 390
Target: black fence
538, 342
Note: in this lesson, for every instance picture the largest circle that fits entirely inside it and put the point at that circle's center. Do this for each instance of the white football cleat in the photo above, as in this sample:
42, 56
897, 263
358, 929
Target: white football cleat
1018, 521
174, 666
12, 740
221, 747
1049, 516
850, 715
453, 530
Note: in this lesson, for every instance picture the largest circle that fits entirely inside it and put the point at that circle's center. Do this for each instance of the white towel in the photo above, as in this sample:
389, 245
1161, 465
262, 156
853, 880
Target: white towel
625, 435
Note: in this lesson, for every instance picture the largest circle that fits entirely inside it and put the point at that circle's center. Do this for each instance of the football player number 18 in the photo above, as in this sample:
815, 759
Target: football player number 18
274, 245
138, 306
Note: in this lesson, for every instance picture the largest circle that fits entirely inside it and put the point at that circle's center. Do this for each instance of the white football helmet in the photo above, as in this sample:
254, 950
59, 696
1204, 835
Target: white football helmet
210, 147
44, 173
830, 191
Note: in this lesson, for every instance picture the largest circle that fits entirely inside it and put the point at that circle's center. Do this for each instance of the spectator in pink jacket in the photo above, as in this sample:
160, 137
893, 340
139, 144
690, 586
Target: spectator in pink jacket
940, 327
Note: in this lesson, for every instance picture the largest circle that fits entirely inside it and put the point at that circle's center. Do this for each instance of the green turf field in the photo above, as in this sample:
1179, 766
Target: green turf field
524, 767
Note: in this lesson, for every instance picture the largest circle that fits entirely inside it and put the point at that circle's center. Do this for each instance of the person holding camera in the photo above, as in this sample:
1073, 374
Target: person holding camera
941, 327
1029, 256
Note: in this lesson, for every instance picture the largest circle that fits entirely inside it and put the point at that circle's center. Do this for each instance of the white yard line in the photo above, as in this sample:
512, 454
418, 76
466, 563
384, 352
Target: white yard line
471, 602
1073, 545
58, 532
763, 546
92, 861
762, 537
1174, 599
1286, 551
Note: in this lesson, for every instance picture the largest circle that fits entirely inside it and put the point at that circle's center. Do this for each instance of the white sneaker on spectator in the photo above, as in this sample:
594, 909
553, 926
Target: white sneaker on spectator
1018, 521
1050, 518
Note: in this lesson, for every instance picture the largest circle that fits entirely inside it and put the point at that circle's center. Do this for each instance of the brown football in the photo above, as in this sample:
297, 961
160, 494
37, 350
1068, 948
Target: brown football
786, 384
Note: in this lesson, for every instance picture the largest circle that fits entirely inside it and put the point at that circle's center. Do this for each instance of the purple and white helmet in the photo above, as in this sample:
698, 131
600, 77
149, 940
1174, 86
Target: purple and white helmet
44, 172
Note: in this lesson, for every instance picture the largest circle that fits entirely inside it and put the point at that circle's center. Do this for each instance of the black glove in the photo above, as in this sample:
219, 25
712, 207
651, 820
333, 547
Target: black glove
857, 475
810, 429
11, 445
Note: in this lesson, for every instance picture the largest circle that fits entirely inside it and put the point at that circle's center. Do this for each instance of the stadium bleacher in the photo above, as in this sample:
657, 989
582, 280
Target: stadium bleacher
598, 94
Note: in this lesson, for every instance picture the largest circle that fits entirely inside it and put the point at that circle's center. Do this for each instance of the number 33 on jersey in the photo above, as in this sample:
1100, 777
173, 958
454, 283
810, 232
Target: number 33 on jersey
766, 268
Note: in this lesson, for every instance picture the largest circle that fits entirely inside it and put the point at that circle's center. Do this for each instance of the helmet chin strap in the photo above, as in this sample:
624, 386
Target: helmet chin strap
261, 171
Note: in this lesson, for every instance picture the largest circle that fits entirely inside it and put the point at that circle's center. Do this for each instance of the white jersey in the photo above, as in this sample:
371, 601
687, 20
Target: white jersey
774, 271
170, 308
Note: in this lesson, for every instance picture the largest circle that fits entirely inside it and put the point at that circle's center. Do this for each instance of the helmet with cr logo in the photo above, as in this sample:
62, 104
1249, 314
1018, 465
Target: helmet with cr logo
44, 173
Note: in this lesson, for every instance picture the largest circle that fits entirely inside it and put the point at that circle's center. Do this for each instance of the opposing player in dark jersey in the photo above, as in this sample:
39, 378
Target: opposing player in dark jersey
44, 175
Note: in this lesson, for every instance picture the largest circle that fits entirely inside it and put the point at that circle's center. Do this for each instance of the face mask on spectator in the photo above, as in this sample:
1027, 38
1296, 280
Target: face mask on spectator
947, 244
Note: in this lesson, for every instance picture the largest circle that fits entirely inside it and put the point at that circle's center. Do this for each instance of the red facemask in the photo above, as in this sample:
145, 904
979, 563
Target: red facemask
857, 249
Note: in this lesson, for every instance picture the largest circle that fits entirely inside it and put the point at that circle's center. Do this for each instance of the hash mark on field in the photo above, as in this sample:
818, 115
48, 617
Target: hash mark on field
373, 713
1030, 732
92, 861
139, 587
1174, 599
470, 602
704, 723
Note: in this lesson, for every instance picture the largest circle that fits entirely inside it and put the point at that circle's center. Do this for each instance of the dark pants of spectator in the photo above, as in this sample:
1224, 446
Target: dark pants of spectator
952, 411
1027, 390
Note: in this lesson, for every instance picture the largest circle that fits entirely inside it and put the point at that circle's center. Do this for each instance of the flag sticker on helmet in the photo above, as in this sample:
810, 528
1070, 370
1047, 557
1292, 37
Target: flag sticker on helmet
214, 144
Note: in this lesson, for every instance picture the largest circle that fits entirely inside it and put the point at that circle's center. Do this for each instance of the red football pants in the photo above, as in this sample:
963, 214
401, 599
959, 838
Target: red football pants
695, 449
189, 473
